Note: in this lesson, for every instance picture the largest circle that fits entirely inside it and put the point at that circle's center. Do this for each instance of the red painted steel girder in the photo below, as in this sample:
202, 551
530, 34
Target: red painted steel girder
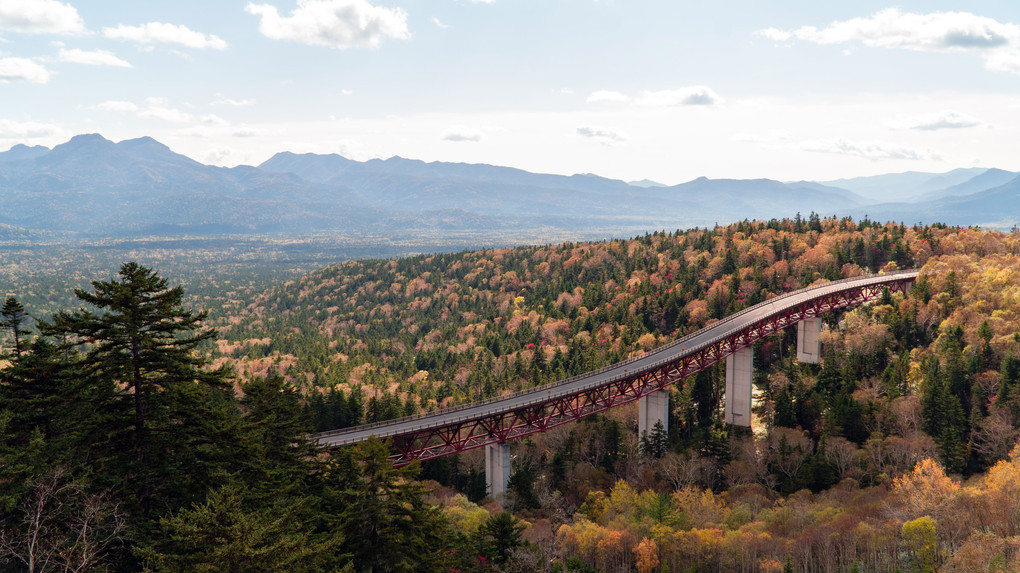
462, 434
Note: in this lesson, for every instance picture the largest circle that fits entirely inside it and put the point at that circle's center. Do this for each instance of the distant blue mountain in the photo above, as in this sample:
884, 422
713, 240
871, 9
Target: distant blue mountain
998, 207
646, 183
21, 152
308, 166
409, 185
903, 186
767, 197
336, 169
91, 185
989, 179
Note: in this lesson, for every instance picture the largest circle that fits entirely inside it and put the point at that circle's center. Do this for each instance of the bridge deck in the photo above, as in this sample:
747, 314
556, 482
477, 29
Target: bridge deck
677, 350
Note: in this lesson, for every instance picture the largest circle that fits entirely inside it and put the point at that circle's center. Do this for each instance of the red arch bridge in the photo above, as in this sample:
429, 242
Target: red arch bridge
645, 378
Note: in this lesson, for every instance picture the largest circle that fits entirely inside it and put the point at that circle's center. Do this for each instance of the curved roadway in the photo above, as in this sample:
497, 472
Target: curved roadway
689, 344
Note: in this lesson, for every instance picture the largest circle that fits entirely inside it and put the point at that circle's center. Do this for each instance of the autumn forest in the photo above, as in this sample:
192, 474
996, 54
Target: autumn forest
139, 431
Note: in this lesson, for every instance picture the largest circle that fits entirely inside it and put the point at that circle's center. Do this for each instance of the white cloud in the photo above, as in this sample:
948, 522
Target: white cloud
40, 17
346, 92
483, 1
873, 150
439, 24
244, 132
92, 58
114, 105
604, 135
462, 133
353, 149
606, 96
338, 24
233, 102
774, 34
891, 28
213, 119
163, 33
26, 129
159, 108
997, 42
22, 69
947, 119
691, 95
1004, 61
218, 156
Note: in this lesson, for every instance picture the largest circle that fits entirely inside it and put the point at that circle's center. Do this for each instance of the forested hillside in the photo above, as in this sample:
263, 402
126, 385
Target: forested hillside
929, 375
893, 454
429, 331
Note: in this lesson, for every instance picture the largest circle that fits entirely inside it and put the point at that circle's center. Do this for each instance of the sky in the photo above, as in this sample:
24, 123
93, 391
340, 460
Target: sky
666, 90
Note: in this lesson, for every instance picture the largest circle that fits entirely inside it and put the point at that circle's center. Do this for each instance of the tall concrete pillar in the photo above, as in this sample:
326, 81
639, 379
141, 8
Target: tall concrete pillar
497, 468
809, 345
738, 387
651, 409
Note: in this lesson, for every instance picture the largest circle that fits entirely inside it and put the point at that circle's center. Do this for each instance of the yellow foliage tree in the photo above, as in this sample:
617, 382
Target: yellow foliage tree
926, 489
921, 542
464, 515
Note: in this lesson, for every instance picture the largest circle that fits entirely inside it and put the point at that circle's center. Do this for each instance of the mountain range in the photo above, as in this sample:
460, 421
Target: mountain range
91, 186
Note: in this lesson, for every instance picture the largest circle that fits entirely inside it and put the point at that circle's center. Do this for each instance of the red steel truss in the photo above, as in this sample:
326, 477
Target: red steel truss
500, 426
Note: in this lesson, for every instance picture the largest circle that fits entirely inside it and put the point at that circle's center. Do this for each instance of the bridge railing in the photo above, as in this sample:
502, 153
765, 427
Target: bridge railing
772, 301
445, 412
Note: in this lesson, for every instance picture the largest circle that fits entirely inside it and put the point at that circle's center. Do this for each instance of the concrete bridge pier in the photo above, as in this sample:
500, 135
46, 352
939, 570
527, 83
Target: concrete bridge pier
497, 468
651, 409
809, 345
738, 387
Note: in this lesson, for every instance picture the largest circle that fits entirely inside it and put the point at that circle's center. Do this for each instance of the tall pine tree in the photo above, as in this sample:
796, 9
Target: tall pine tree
12, 316
172, 420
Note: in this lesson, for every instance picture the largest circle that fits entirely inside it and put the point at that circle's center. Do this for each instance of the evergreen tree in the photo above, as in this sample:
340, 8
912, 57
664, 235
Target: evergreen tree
501, 534
12, 315
943, 417
656, 442
784, 412
229, 533
381, 512
522, 485
278, 456
172, 423
39, 389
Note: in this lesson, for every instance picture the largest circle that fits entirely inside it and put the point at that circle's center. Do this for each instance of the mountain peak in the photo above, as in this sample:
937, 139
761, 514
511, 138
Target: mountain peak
87, 138
647, 183
88, 143
145, 141
22, 151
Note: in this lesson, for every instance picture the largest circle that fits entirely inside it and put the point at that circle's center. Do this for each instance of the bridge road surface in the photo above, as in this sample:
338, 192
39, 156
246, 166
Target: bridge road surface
671, 352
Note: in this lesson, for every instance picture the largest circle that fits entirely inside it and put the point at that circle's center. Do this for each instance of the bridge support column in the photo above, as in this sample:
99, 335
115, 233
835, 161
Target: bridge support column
809, 346
651, 409
738, 387
497, 468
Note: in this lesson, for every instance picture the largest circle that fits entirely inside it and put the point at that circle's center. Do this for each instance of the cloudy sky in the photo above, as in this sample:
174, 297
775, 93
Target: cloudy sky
667, 89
